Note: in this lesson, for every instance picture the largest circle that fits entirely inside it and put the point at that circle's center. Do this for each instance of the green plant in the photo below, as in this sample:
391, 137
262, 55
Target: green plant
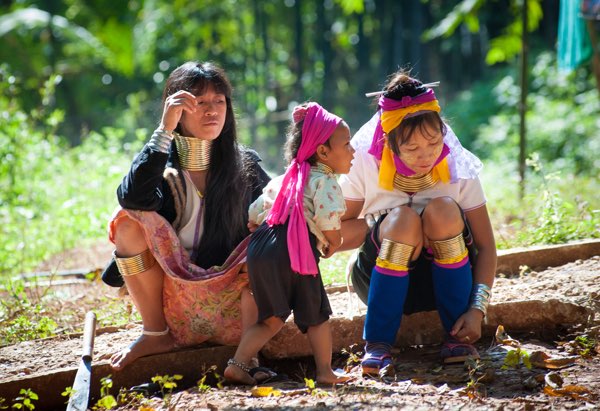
167, 384
25, 399
515, 358
128, 399
22, 318
354, 358
586, 344
106, 401
313, 390
474, 388
68, 392
2, 406
558, 220
202, 386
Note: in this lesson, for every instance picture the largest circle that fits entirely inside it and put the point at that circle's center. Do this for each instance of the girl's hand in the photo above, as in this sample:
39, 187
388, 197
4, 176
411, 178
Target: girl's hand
174, 107
327, 251
252, 226
467, 328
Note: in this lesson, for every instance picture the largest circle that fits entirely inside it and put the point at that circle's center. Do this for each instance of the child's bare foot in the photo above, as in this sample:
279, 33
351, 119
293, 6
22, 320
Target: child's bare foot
237, 373
331, 378
143, 346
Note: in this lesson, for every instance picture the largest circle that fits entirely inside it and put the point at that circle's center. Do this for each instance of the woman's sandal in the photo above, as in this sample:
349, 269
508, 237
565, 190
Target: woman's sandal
378, 366
455, 352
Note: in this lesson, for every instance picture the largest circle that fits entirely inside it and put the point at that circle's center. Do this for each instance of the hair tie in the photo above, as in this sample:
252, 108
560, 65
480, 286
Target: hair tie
299, 113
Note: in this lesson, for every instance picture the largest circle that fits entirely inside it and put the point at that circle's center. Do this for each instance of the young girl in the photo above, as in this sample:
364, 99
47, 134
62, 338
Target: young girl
282, 256
414, 198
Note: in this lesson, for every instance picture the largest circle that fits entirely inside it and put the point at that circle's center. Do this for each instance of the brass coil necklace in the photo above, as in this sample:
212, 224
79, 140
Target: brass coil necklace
194, 153
415, 184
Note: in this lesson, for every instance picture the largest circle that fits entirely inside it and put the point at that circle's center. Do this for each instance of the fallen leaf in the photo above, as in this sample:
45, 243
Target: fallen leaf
542, 360
573, 391
553, 380
503, 338
265, 392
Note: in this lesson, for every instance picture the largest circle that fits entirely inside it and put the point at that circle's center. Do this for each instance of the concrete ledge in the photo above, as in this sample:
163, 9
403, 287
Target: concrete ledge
190, 363
541, 257
426, 328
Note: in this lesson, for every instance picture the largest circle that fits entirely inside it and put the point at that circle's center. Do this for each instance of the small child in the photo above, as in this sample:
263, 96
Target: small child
282, 255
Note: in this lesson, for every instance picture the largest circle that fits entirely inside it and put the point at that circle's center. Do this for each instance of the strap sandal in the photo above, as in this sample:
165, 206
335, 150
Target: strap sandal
456, 352
264, 375
378, 366
149, 389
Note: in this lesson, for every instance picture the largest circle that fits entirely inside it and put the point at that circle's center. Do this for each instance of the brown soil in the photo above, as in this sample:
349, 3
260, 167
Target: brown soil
420, 383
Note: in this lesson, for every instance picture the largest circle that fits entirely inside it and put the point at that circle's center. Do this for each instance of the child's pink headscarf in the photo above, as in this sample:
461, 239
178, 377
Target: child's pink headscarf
318, 126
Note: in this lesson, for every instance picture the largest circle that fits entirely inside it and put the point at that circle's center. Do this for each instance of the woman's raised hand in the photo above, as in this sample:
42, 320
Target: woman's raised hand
174, 107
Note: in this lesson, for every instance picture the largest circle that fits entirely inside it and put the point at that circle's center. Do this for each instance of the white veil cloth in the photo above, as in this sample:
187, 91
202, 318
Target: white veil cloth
462, 163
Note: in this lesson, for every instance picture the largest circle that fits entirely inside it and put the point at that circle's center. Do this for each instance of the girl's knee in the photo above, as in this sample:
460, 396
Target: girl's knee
442, 217
403, 225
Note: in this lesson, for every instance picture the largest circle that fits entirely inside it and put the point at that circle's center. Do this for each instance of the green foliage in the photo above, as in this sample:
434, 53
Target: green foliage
562, 121
333, 269
504, 47
515, 358
202, 385
474, 388
559, 220
463, 12
25, 400
68, 392
21, 318
557, 210
313, 390
52, 196
106, 401
167, 384
586, 345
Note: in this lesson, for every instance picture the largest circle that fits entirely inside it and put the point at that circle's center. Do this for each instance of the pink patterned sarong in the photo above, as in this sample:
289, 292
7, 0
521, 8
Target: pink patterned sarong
199, 304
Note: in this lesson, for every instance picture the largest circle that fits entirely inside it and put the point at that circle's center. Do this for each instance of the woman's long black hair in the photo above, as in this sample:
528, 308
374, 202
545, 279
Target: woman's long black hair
226, 214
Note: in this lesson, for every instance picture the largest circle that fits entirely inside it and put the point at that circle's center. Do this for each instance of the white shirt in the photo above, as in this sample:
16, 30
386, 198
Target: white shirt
361, 184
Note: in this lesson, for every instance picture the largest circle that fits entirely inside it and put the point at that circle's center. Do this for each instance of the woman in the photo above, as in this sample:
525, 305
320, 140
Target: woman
415, 203
181, 234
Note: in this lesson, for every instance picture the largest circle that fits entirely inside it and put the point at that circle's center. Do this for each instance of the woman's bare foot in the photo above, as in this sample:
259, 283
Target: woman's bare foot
144, 345
234, 373
331, 378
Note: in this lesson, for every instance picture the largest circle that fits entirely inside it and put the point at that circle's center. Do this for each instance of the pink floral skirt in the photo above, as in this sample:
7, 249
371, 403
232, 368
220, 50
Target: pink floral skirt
199, 304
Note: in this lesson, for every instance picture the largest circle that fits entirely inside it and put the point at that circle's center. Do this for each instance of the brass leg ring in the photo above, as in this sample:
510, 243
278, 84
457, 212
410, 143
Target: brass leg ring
134, 265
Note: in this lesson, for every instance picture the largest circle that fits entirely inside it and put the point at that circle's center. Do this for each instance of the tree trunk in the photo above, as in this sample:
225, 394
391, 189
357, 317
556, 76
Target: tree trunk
324, 40
523, 102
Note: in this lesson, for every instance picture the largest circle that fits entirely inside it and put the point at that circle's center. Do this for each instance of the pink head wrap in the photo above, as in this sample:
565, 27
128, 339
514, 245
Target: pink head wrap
388, 104
318, 126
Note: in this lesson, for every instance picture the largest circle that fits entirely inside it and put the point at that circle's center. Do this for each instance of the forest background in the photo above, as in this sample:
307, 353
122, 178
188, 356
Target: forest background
81, 83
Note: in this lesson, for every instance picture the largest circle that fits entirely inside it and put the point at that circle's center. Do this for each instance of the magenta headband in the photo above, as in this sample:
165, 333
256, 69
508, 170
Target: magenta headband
388, 104
319, 125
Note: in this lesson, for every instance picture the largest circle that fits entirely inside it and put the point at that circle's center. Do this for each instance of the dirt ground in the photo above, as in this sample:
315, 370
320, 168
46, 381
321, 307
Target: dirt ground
421, 382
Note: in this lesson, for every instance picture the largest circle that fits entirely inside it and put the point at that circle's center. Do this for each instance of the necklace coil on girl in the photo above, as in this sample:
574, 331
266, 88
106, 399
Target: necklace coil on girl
414, 184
